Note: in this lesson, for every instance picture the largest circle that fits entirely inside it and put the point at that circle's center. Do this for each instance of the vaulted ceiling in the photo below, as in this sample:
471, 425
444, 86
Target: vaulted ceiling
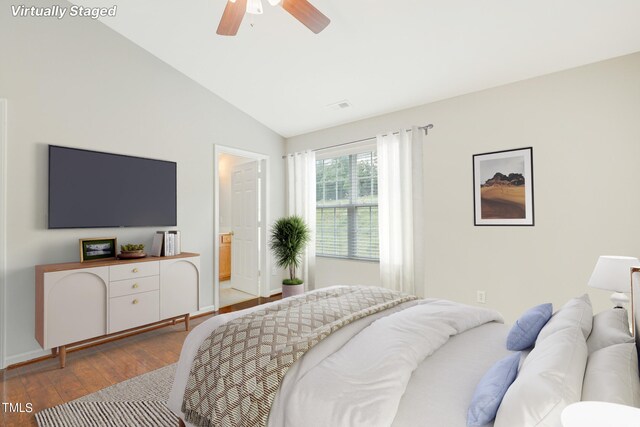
382, 56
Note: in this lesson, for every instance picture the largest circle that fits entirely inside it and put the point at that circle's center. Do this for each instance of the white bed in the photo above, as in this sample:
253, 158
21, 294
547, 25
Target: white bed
440, 390
437, 392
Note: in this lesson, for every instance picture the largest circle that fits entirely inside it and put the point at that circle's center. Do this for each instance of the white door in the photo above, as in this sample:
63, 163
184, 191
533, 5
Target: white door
244, 224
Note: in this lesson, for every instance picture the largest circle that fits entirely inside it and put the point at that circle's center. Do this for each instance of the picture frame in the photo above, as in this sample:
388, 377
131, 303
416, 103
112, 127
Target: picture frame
98, 249
503, 188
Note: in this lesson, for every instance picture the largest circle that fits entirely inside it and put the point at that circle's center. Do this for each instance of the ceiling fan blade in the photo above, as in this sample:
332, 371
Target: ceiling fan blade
306, 13
232, 18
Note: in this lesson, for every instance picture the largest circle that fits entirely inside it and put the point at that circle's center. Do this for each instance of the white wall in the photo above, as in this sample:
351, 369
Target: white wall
3, 225
74, 82
583, 127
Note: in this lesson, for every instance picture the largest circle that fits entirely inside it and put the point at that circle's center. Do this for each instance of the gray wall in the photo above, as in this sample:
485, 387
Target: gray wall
74, 82
584, 129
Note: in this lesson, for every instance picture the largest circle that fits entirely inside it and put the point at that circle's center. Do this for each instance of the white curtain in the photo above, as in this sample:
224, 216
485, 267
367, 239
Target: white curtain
400, 216
301, 201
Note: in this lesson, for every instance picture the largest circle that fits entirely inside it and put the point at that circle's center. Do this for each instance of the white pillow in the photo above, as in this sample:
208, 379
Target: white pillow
523, 356
609, 327
550, 380
575, 311
612, 375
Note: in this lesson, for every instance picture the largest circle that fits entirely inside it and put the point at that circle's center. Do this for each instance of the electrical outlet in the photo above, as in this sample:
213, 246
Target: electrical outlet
481, 297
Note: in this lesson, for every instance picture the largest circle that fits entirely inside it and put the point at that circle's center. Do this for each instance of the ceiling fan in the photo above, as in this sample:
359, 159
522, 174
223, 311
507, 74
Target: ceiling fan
302, 10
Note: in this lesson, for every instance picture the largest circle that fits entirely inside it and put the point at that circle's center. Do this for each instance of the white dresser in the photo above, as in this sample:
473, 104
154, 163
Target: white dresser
77, 302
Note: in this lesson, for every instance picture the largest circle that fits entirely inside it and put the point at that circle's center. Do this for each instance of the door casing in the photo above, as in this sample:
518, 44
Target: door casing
264, 279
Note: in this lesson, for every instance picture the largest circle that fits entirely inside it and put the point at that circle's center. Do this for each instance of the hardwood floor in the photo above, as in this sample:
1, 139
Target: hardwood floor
44, 384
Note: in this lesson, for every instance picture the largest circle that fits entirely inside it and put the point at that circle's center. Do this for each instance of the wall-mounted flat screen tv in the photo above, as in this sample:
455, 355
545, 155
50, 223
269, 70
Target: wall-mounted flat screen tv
90, 189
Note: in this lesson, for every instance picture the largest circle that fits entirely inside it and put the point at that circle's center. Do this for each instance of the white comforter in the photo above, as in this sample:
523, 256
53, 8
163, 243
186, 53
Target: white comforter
357, 376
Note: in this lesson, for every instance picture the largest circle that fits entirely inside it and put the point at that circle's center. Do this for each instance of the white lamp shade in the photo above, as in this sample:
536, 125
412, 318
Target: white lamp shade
613, 273
254, 7
599, 414
274, 2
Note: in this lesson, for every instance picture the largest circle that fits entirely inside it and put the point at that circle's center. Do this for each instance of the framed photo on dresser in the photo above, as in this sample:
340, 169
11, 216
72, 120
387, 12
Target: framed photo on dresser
503, 187
98, 249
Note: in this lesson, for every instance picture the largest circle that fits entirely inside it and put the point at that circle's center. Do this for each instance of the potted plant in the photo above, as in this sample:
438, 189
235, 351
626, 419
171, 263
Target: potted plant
289, 238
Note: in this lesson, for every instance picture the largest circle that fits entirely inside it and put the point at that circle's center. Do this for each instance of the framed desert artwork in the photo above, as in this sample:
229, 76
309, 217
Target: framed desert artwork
503, 187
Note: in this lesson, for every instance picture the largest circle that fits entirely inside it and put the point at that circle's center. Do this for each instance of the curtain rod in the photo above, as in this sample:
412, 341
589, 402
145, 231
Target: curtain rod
425, 128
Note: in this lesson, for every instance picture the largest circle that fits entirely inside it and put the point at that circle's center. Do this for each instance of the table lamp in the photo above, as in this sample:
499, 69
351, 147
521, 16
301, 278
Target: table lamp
615, 273
600, 414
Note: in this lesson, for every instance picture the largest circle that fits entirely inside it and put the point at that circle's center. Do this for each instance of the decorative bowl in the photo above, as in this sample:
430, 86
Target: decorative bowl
132, 254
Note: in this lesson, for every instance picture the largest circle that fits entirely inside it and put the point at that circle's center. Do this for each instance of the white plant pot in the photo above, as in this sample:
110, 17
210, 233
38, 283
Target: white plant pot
291, 290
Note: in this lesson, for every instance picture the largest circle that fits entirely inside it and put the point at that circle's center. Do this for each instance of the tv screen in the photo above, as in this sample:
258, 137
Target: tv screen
90, 189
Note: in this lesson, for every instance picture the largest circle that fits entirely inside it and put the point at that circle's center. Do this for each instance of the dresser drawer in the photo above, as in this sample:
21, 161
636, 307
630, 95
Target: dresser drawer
134, 286
134, 270
134, 310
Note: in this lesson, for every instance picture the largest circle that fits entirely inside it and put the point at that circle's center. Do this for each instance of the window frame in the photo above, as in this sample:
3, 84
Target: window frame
350, 207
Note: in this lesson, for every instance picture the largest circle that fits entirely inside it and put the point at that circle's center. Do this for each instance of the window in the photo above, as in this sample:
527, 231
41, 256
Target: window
347, 206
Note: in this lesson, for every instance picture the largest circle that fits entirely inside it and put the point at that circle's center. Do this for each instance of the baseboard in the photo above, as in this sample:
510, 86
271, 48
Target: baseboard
36, 355
273, 292
25, 357
204, 310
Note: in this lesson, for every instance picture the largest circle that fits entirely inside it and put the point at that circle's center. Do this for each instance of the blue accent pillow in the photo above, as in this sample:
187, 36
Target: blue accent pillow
491, 389
524, 332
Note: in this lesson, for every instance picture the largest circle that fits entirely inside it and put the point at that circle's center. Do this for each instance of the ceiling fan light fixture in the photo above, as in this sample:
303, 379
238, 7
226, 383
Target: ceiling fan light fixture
302, 10
254, 7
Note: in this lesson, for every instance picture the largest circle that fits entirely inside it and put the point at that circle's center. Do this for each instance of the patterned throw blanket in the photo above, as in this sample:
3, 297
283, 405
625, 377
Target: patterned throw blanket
239, 367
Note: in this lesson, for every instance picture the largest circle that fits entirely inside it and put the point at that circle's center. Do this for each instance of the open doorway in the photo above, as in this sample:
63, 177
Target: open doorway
240, 240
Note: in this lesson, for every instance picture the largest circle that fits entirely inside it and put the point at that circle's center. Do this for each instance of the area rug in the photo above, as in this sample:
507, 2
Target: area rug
139, 401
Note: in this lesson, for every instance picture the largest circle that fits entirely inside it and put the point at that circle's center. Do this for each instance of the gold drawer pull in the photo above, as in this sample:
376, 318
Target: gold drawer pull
135, 270
135, 301
135, 286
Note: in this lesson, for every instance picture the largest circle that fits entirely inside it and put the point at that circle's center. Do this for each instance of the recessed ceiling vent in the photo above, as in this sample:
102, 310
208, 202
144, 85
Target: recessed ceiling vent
340, 105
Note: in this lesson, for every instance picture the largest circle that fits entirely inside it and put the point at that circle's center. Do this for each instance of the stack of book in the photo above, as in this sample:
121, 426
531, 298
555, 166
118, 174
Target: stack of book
166, 243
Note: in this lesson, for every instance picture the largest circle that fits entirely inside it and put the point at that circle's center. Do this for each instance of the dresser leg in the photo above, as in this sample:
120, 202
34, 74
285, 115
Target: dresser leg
63, 356
186, 321
54, 352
